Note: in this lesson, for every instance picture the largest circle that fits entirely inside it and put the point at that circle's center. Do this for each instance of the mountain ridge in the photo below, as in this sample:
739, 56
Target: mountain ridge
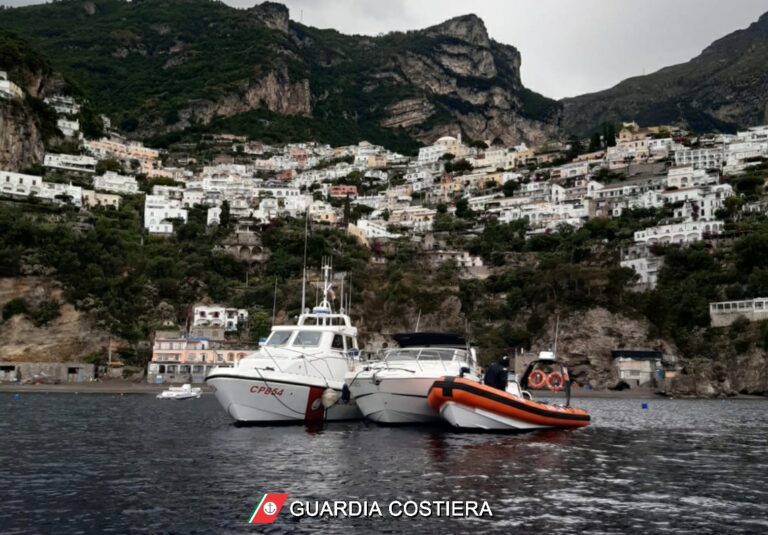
723, 88
160, 68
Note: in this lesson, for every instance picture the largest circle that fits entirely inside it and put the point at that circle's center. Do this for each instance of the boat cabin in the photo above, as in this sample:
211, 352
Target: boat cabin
428, 346
318, 330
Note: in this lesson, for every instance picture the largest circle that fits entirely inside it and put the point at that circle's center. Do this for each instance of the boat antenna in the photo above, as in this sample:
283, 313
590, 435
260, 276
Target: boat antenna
557, 328
342, 304
327, 290
274, 303
418, 320
468, 342
304, 271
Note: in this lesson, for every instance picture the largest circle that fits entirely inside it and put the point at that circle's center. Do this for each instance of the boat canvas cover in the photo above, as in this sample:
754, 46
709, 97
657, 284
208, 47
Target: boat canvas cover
427, 339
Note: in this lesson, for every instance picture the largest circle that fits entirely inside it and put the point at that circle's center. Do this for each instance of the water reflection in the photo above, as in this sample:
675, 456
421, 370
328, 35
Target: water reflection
93, 463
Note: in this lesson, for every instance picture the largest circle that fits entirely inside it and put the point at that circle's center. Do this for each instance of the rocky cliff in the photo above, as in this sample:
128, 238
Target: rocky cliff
586, 339
24, 122
68, 337
475, 79
21, 142
724, 88
158, 67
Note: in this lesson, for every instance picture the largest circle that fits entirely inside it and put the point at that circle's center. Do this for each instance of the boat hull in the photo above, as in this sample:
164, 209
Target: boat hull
464, 417
395, 401
470, 405
269, 400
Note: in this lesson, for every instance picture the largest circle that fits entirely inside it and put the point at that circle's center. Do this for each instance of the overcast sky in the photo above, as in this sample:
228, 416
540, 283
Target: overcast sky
568, 47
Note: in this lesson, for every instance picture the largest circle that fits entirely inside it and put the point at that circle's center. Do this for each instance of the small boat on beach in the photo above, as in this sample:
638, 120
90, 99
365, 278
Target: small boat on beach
181, 392
466, 403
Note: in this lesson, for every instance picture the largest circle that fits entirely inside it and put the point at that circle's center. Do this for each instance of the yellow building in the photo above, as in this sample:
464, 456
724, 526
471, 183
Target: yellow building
92, 198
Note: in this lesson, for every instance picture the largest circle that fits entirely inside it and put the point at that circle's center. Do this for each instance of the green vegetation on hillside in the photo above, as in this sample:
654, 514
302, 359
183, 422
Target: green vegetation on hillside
131, 282
148, 63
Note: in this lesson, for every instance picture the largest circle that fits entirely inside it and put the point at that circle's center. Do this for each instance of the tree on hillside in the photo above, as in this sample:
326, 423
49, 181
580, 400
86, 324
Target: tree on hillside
463, 210
595, 142
509, 187
609, 134
224, 218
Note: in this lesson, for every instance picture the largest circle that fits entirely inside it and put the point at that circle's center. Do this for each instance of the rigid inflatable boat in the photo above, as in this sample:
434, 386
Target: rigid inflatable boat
469, 404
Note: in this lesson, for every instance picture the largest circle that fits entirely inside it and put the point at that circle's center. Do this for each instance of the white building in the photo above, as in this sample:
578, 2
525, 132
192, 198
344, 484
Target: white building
686, 176
70, 162
64, 105
755, 133
69, 128
18, 184
218, 316
416, 218
21, 185
374, 229
111, 181
9, 89
444, 145
724, 313
678, 233
740, 155
698, 203
463, 259
159, 212
641, 259
376, 202
704, 158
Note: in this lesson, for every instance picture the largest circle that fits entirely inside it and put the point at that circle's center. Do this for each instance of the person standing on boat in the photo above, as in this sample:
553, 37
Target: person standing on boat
496, 374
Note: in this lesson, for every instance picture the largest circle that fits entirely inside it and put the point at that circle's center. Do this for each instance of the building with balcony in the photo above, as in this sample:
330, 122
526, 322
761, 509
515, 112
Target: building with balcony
182, 359
159, 213
218, 316
70, 162
641, 259
678, 233
111, 181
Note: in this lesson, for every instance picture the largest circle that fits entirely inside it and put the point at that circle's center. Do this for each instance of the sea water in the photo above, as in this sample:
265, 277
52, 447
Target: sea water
118, 464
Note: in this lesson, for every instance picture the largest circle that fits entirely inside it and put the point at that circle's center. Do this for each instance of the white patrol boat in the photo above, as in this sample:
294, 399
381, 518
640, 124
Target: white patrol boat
298, 374
394, 390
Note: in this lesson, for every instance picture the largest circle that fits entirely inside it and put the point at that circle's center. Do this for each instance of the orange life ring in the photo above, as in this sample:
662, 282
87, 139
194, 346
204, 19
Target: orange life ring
537, 379
555, 381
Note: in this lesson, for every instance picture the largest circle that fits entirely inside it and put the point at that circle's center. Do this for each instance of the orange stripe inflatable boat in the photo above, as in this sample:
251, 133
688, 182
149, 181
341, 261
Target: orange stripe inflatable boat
471, 405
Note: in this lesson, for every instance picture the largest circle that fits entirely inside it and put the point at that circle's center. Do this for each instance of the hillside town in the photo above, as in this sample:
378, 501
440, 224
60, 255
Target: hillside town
379, 196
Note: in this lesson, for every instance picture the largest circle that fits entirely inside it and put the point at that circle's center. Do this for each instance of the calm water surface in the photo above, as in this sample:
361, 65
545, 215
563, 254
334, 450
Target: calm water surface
119, 464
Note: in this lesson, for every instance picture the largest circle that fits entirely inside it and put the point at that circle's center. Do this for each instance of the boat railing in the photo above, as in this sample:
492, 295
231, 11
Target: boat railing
420, 354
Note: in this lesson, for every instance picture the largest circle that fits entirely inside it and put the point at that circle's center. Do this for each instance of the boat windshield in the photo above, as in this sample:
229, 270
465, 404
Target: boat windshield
278, 338
307, 339
424, 354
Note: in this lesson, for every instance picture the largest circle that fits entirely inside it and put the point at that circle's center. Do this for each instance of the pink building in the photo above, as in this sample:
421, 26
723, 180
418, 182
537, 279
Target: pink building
188, 359
343, 191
